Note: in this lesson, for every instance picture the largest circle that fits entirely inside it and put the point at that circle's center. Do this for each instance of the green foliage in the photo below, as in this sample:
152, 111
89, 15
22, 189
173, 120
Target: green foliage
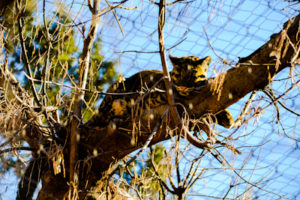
104, 70
156, 166
147, 174
101, 73
54, 55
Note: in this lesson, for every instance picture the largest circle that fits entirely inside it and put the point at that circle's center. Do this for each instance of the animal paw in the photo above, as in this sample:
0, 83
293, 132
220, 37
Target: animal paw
224, 118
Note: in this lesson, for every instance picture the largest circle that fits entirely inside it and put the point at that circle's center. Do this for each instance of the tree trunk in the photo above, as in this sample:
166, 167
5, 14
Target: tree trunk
251, 73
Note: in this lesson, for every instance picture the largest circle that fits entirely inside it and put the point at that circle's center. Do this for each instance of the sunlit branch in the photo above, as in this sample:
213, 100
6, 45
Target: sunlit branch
116, 17
103, 12
136, 51
272, 97
252, 184
82, 81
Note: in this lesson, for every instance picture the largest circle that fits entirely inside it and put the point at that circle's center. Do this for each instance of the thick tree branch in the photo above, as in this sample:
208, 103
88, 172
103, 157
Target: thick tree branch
167, 80
251, 73
79, 98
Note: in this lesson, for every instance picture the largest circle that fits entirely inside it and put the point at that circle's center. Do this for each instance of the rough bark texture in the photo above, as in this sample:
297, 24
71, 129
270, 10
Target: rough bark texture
251, 73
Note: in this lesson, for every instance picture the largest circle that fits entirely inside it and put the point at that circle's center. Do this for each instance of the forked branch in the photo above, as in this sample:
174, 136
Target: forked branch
168, 83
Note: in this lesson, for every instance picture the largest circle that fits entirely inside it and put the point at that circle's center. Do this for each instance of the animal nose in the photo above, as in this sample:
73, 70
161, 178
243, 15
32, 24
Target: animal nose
202, 76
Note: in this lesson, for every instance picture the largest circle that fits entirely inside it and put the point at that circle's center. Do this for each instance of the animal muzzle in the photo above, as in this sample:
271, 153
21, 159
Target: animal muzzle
183, 90
200, 78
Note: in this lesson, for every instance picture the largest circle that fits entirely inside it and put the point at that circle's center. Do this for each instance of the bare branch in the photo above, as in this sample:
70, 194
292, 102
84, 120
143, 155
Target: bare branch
148, 141
167, 80
83, 72
17, 149
25, 59
272, 97
103, 12
213, 49
116, 17
135, 51
252, 184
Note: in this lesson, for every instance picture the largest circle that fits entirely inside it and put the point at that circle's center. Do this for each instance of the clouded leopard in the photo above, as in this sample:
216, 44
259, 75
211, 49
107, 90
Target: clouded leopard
146, 90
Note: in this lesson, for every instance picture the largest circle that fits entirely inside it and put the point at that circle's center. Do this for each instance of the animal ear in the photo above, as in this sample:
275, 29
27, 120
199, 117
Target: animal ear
175, 60
205, 62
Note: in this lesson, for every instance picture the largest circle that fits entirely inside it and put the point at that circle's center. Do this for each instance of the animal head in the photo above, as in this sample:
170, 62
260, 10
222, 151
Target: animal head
189, 72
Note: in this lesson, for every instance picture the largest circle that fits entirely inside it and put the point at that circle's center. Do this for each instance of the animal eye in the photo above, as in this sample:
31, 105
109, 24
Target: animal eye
177, 75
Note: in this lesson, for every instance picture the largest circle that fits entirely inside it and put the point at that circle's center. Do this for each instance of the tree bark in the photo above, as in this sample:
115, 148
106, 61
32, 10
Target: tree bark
254, 72
251, 73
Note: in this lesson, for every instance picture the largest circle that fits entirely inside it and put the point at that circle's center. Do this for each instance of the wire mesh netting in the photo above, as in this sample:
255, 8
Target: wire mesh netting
269, 167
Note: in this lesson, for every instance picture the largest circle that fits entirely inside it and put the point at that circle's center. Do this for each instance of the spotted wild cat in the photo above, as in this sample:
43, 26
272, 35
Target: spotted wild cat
145, 90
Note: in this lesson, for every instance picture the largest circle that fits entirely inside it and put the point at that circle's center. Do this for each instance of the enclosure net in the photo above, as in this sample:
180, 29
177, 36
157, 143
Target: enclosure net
269, 166
228, 30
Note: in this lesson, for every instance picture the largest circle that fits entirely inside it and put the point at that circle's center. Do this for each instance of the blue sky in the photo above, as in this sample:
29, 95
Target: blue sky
235, 29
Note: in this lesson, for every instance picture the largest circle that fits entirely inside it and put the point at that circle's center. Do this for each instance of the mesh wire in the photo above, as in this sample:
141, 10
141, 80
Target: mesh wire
227, 30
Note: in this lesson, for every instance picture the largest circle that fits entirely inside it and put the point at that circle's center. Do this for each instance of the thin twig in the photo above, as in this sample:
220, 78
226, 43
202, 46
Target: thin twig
136, 51
45, 68
103, 12
25, 58
148, 141
250, 183
17, 149
187, 179
270, 94
239, 120
167, 78
162, 182
178, 1
272, 97
213, 49
116, 17
95, 91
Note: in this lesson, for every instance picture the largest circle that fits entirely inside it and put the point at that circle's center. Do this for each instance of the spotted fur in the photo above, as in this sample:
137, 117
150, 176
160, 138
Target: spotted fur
146, 90
143, 90
188, 73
